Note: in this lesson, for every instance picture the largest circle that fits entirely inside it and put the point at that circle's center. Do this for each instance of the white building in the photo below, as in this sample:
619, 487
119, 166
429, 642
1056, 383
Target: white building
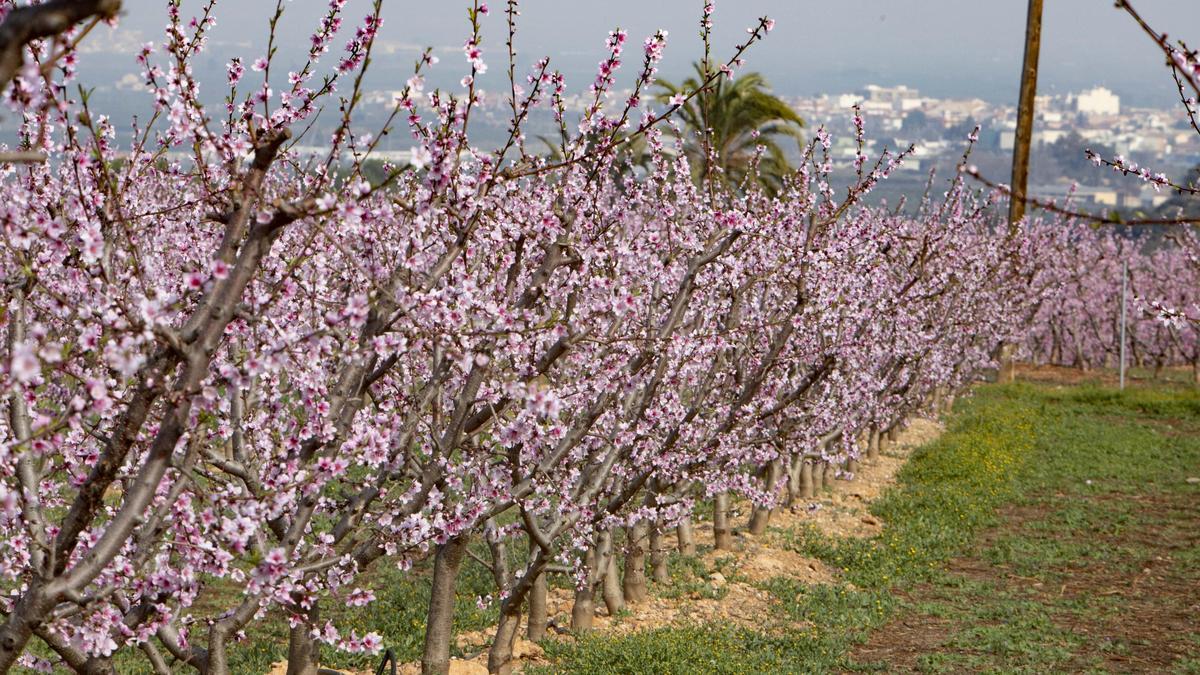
893, 95
877, 99
1047, 136
849, 100
1098, 101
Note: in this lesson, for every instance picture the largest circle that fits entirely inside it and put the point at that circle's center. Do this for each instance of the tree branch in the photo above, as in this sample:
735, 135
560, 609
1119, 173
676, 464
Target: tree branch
26, 24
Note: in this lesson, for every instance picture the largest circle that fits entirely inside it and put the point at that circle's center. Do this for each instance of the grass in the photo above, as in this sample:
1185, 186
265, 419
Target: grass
949, 491
1094, 568
1002, 543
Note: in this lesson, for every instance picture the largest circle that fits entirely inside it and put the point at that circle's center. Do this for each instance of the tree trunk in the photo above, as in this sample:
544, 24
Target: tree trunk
218, 657
611, 580
500, 656
686, 537
762, 514
584, 608
303, 654
722, 535
537, 609
610, 587
583, 611
807, 491
818, 473
16, 631
440, 621
634, 583
1008, 365
658, 555
759, 518
793, 480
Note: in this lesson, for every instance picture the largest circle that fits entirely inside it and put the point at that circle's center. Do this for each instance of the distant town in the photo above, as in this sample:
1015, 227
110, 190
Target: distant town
1066, 126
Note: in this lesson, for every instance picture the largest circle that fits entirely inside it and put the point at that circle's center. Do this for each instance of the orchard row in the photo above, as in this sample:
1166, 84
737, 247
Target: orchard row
256, 367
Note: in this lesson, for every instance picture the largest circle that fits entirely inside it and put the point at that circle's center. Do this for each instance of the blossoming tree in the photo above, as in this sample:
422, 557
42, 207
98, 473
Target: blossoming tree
227, 363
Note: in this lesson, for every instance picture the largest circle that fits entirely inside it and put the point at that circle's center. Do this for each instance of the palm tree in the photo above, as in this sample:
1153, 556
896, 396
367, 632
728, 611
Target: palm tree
741, 115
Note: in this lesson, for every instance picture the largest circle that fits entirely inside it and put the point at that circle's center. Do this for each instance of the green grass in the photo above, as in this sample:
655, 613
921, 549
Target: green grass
1012, 449
1095, 504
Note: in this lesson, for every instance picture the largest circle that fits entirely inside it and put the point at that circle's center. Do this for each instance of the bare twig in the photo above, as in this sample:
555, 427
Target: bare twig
1162, 41
26, 24
1095, 218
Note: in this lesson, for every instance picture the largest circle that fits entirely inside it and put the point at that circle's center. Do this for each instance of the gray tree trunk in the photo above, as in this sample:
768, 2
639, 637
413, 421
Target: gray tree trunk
18, 629
795, 469
761, 515
686, 537
611, 580
500, 656
807, 489
634, 583
439, 624
303, 654
722, 534
658, 555
583, 611
537, 609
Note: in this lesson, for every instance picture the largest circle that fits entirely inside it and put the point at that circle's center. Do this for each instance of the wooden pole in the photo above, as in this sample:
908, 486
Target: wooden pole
1025, 111
1021, 144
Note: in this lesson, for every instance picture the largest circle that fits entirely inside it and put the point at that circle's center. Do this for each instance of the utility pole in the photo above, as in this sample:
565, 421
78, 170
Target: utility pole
1025, 110
1124, 302
1021, 143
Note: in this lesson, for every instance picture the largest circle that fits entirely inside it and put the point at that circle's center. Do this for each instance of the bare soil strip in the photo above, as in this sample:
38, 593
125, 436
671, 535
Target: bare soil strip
1127, 600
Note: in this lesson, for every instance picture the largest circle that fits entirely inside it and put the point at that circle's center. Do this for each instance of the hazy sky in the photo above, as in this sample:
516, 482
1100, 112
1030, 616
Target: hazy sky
943, 47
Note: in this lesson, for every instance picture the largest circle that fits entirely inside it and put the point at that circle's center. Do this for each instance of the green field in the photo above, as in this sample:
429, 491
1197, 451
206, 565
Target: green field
1050, 529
